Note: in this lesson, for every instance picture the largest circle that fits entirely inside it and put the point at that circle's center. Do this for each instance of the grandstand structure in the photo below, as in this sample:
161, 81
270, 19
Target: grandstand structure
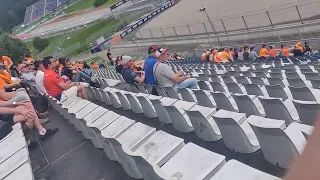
41, 8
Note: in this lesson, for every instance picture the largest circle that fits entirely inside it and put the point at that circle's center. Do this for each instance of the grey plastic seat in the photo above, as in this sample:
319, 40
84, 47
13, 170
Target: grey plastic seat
236, 132
213, 72
292, 75
233, 73
161, 91
147, 106
308, 111
172, 93
125, 104
226, 78
276, 91
91, 94
248, 105
222, 101
304, 71
275, 109
134, 102
99, 96
214, 78
141, 88
296, 82
247, 74
302, 94
148, 88
162, 113
133, 88
253, 89
257, 80
204, 125
242, 80
204, 98
276, 81
217, 87
234, 88
114, 98
276, 75
187, 95
312, 75
280, 145
203, 77
205, 85
260, 74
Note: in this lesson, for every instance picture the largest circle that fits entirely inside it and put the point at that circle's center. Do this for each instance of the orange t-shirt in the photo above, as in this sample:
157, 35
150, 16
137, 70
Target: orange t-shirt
51, 79
6, 61
273, 52
204, 57
6, 77
285, 52
1, 86
264, 52
218, 57
94, 66
225, 55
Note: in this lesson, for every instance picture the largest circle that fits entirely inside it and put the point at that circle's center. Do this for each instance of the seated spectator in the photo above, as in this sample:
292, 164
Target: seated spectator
39, 76
85, 65
55, 85
102, 65
27, 59
284, 51
119, 64
9, 84
246, 54
73, 73
28, 73
167, 78
272, 51
252, 54
264, 51
5, 60
94, 65
128, 74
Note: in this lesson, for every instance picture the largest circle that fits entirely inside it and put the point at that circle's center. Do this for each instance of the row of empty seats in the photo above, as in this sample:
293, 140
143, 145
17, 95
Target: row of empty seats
14, 156
146, 153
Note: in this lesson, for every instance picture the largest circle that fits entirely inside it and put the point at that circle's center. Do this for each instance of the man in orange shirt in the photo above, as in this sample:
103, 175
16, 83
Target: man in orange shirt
264, 51
285, 51
94, 65
204, 55
5, 60
273, 51
225, 55
55, 85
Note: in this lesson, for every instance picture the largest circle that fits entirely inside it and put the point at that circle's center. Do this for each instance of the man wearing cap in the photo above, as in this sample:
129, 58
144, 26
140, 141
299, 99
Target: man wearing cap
127, 73
167, 78
149, 64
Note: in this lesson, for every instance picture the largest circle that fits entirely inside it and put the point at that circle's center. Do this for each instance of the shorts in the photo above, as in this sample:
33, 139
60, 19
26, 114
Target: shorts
7, 118
73, 91
20, 97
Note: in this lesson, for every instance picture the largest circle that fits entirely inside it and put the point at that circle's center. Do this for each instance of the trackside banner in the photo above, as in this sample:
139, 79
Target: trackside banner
140, 22
118, 3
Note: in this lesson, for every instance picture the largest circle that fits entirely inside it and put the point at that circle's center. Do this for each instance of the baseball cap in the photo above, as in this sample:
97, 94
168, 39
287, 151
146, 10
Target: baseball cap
152, 49
126, 59
160, 51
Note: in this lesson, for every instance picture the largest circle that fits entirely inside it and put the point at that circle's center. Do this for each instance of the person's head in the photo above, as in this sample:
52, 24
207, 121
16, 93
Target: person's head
38, 65
282, 46
152, 50
271, 47
109, 50
62, 61
241, 49
162, 54
49, 63
264, 45
231, 49
306, 43
246, 48
127, 61
235, 50
252, 48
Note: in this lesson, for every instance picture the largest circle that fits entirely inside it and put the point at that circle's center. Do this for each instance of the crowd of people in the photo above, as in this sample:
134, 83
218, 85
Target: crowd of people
249, 53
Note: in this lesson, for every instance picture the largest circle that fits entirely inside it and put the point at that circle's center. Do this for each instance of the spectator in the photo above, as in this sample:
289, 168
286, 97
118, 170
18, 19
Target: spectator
85, 65
149, 64
28, 73
240, 54
264, 51
307, 49
252, 54
273, 51
39, 77
5, 60
211, 58
119, 64
73, 73
218, 56
297, 51
9, 84
231, 54
127, 73
246, 54
167, 78
204, 55
55, 85
225, 55
102, 65
27, 59
284, 51
299, 46
110, 56
94, 65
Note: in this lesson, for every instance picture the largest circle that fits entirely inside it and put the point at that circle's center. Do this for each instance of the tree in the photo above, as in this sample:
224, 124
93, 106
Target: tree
40, 44
14, 48
98, 3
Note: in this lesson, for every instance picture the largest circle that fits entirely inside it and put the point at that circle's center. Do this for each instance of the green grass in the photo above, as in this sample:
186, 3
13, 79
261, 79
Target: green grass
84, 4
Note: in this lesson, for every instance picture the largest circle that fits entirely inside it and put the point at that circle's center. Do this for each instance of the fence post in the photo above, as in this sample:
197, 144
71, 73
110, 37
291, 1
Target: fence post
189, 29
300, 34
207, 34
140, 34
174, 29
244, 40
151, 35
279, 36
299, 13
163, 34
244, 21
224, 27
260, 38
269, 18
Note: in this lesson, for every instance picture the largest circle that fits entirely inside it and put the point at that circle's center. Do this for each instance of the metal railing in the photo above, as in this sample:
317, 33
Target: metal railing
285, 18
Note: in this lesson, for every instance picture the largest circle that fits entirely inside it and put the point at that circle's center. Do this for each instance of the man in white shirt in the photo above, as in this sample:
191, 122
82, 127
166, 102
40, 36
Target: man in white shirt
39, 77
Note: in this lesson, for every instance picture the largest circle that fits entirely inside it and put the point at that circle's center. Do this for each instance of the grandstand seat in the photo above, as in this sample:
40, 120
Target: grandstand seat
180, 120
161, 91
105, 97
260, 74
253, 89
302, 94
125, 104
315, 83
305, 71
134, 102
162, 113
204, 98
234, 88
148, 88
275, 108
236, 132
112, 128
242, 80
276, 75
217, 87
276, 81
292, 75
99, 96
214, 78
276, 91
131, 139
187, 95
91, 93
312, 75
155, 151
247, 74
257, 80
241, 172
133, 88
114, 98
227, 78
233, 73
172, 93
141, 88
308, 111
279, 144
296, 82
213, 72
204, 125
250, 105
147, 106
76, 108
223, 102
202, 77
79, 121
205, 85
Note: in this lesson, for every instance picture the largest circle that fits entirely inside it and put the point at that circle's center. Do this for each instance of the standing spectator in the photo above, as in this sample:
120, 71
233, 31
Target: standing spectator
246, 54
264, 51
272, 51
240, 54
167, 78
109, 55
149, 64
252, 54
128, 74
55, 85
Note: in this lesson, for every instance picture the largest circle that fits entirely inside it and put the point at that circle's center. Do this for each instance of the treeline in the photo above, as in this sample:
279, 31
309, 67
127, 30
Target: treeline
98, 3
12, 13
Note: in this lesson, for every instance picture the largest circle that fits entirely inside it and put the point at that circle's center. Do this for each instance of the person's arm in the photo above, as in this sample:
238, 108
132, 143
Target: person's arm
6, 104
66, 86
6, 110
6, 95
140, 79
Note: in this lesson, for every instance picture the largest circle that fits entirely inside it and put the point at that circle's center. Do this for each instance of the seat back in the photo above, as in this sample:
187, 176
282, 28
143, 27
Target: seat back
204, 85
315, 83
292, 74
276, 81
302, 93
226, 78
141, 88
275, 109
234, 88
296, 82
187, 95
247, 74
214, 78
312, 75
172, 93
133, 88
161, 91
242, 80
246, 105
253, 89
216, 86
204, 98
222, 101
308, 111
260, 74
257, 80
276, 91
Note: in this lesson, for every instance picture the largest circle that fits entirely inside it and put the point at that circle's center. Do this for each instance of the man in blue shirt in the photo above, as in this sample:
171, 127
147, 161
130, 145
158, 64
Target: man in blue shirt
127, 73
148, 65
